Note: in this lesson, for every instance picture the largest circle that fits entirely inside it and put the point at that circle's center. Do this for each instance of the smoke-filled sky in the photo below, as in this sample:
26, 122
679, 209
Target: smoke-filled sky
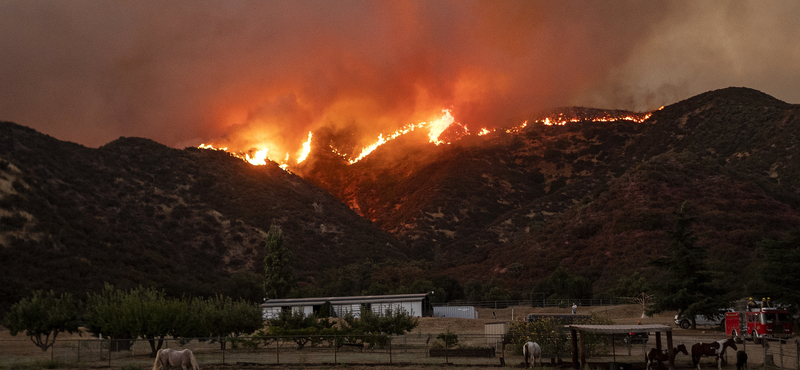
255, 73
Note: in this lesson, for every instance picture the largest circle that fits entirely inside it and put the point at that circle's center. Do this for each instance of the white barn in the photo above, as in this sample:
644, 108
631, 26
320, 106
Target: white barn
417, 305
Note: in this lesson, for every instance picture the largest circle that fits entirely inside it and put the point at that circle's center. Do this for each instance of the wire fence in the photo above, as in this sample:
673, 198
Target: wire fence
410, 349
539, 301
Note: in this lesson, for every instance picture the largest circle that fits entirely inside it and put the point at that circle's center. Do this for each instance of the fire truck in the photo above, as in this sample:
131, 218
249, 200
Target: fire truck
759, 324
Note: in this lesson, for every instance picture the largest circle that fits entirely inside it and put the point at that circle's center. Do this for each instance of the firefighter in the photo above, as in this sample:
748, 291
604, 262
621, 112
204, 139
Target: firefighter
751, 305
763, 302
769, 303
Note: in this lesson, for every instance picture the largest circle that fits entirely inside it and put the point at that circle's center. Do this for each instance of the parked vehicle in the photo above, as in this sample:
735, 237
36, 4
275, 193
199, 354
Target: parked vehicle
759, 324
686, 322
635, 338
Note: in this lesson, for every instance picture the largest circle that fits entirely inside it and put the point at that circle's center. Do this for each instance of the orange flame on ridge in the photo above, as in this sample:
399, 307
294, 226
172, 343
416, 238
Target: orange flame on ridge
437, 127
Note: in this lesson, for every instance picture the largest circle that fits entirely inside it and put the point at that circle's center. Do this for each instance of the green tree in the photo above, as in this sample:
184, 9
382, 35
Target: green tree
278, 275
630, 286
688, 286
43, 316
224, 317
299, 328
781, 268
372, 328
563, 285
139, 312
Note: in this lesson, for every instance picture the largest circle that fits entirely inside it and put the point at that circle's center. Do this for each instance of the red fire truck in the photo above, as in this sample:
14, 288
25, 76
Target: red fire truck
758, 324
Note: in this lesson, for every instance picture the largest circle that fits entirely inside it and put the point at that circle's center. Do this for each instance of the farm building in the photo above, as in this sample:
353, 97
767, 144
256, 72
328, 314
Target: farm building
417, 305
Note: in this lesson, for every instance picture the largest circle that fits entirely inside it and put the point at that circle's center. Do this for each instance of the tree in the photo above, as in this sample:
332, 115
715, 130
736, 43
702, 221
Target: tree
139, 312
278, 275
688, 286
43, 316
222, 317
563, 285
374, 328
299, 328
781, 269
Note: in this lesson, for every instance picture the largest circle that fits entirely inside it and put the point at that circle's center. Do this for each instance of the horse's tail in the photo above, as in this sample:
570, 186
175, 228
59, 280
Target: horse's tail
195, 366
158, 360
525, 354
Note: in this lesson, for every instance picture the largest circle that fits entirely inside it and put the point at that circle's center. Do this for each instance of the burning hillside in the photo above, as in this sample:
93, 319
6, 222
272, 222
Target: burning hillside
442, 130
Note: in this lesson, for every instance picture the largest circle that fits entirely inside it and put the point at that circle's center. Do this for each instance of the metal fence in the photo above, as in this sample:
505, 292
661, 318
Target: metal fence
409, 349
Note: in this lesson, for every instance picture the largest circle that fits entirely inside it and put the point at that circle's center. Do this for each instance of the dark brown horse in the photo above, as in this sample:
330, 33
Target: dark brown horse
715, 349
656, 356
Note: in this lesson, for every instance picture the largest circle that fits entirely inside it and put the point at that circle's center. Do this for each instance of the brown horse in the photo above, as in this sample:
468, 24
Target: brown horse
169, 357
660, 356
715, 349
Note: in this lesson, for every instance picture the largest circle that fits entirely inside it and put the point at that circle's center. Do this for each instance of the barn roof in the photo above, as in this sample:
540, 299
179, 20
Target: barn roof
621, 329
395, 298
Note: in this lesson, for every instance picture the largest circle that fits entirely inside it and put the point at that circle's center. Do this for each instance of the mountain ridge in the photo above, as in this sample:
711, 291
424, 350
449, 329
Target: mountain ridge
507, 208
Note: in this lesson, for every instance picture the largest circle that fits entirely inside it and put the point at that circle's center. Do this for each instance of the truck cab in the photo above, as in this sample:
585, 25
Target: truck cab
759, 324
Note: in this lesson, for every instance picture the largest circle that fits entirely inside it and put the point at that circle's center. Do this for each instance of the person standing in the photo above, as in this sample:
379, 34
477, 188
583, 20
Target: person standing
574, 308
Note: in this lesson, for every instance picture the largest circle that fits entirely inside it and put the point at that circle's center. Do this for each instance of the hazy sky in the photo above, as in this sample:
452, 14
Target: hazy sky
249, 73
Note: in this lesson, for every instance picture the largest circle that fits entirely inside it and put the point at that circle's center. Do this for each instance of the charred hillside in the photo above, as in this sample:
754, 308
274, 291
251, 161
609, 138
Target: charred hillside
445, 201
589, 195
137, 212
595, 196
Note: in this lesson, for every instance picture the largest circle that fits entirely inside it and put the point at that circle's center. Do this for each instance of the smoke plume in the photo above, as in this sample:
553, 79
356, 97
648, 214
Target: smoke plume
247, 74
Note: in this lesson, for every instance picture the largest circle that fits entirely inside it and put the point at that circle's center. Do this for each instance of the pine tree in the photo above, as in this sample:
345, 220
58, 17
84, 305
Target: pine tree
278, 275
688, 286
781, 269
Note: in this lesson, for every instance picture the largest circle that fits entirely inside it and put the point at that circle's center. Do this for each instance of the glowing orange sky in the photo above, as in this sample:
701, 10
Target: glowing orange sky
248, 74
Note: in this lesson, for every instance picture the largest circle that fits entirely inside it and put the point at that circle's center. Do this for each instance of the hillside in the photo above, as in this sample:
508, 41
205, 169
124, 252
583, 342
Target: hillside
506, 205
593, 196
137, 212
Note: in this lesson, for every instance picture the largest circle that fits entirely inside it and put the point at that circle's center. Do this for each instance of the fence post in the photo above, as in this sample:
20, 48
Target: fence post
390, 349
79, 352
446, 352
278, 350
222, 341
335, 349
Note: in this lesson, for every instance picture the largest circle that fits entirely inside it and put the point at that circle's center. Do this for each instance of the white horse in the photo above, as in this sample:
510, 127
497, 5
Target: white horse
532, 351
169, 357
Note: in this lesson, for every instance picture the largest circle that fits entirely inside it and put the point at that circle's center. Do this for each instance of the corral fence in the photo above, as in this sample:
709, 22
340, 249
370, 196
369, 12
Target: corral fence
538, 301
409, 349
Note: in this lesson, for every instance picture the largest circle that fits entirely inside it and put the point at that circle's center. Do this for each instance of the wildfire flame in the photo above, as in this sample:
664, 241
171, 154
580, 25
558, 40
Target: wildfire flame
305, 151
436, 128
261, 156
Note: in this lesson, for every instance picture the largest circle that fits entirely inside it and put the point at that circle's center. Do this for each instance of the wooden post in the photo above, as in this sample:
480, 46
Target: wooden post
583, 349
390, 350
278, 350
671, 351
574, 337
658, 340
335, 348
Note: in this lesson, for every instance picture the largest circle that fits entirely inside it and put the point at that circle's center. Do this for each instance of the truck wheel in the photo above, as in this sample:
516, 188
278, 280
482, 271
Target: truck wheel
685, 324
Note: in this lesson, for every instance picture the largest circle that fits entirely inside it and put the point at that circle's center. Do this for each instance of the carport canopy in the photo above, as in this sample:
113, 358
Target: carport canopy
578, 330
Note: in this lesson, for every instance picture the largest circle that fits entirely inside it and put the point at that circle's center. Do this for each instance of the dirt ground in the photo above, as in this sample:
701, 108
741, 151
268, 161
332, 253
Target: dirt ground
621, 315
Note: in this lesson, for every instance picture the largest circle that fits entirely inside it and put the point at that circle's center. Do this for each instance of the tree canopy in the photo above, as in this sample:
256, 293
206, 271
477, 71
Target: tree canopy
278, 275
43, 316
688, 285
781, 268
